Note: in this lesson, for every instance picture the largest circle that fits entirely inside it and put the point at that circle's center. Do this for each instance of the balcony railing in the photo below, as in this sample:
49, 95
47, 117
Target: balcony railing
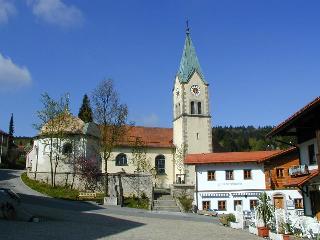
298, 170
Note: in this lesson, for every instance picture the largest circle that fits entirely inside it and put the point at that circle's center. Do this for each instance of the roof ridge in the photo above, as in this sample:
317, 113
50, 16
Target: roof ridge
293, 116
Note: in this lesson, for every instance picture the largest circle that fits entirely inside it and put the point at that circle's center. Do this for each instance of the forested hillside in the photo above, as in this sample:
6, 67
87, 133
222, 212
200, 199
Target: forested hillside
239, 139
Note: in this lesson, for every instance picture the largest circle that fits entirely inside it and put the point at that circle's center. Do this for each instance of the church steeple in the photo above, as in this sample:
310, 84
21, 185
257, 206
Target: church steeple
189, 61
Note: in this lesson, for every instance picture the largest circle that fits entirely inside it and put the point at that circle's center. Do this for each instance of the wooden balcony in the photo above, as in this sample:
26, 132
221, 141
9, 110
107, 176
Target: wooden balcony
299, 170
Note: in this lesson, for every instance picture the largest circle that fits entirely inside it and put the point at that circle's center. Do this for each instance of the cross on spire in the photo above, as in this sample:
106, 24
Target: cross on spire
188, 28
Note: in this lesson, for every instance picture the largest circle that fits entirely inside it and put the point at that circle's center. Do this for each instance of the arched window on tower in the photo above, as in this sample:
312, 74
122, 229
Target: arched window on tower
179, 109
121, 160
192, 108
160, 164
199, 108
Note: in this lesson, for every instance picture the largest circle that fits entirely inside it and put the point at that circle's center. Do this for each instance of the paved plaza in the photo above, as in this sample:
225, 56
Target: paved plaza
82, 220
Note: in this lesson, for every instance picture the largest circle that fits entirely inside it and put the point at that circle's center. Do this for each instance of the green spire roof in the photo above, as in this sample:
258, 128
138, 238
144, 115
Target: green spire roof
189, 62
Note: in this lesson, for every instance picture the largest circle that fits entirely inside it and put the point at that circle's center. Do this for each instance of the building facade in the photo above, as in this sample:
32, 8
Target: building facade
225, 180
4, 141
304, 124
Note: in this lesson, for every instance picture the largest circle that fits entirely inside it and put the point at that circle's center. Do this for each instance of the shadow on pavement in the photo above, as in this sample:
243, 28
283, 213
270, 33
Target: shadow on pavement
7, 174
60, 219
58, 203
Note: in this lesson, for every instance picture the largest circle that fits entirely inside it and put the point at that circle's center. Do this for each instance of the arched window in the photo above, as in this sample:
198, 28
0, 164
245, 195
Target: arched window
199, 108
192, 108
160, 164
67, 149
121, 159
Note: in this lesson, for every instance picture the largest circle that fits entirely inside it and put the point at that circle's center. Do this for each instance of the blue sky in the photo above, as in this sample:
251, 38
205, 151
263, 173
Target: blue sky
261, 58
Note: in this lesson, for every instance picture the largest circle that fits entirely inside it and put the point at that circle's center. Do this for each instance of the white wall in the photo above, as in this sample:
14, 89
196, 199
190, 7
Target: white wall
304, 154
257, 174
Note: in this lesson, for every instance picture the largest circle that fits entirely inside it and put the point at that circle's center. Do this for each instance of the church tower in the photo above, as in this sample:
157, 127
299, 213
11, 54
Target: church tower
191, 111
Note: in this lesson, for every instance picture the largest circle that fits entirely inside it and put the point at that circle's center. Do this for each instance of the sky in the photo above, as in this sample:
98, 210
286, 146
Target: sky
261, 58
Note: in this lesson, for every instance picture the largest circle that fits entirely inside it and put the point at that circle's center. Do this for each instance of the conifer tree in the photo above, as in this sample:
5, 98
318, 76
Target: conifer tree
85, 111
11, 126
11, 139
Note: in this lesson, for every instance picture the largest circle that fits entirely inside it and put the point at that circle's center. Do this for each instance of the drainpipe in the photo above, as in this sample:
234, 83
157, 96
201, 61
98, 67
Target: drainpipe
196, 172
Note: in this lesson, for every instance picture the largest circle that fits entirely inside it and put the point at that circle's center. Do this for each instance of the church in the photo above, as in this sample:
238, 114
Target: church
180, 158
164, 148
191, 132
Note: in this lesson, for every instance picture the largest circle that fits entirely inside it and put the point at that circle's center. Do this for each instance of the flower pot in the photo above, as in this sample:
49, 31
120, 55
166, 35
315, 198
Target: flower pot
286, 237
263, 231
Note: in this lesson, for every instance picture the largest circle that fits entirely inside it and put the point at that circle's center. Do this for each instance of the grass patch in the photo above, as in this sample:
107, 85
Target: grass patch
56, 192
135, 202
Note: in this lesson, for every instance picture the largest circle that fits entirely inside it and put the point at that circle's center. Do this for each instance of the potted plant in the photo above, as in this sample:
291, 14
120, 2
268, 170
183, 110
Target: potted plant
265, 213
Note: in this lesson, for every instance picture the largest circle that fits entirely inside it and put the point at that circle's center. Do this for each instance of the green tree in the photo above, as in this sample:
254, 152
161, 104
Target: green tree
11, 126
85, 111
11, 132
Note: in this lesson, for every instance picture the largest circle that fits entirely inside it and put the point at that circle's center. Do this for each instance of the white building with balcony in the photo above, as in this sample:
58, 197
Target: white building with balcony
225, 180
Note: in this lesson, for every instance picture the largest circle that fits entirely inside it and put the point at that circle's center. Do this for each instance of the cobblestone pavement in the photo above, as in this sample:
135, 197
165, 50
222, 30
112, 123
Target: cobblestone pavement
74, 220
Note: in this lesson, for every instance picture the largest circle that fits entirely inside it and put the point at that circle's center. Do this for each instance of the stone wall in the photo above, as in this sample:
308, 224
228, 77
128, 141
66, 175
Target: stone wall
128, 184
179, 190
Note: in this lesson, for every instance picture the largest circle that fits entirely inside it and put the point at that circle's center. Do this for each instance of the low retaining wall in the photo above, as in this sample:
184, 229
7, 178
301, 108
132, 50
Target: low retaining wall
128, 184
180, 190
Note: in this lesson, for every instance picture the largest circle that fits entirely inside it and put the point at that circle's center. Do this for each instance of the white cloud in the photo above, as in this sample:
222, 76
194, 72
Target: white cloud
7, 9
150, 120
56, 12
13, 76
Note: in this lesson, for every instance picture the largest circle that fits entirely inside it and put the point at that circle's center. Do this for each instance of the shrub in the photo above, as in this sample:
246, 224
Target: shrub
136, 202
226, 219
186, 203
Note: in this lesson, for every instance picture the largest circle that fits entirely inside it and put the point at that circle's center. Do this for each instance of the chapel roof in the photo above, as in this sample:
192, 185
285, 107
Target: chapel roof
231, 157
189, 62
69, 124
150, 136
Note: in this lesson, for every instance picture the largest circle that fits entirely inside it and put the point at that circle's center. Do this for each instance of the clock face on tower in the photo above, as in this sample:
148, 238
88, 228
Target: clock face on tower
177, 92
195, 90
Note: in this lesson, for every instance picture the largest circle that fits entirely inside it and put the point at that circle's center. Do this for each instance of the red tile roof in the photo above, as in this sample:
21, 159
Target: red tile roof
230, 157
288, 121
280, 153
3, 133
150, 136
300, 181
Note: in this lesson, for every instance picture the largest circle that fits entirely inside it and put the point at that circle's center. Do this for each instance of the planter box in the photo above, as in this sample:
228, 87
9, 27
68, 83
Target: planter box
253, 230
278, 236
236, 225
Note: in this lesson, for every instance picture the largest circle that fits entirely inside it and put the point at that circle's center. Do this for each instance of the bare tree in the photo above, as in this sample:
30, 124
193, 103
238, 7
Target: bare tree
55, 122
179, 154
111, 116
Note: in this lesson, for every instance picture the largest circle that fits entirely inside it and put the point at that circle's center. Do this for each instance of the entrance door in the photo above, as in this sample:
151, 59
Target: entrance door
315, 203
278, 202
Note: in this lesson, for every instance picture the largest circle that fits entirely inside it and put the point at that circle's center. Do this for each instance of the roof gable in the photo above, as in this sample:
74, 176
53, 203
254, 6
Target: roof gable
287, 124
